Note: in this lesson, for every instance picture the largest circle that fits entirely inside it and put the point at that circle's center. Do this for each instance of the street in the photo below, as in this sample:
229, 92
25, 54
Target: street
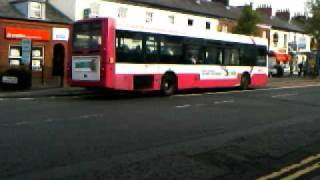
218, 134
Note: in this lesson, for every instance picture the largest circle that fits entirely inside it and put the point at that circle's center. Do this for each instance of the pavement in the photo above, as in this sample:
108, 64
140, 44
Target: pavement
76, 91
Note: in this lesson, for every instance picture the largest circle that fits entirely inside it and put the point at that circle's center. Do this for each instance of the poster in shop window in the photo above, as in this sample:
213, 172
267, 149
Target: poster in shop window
26, 51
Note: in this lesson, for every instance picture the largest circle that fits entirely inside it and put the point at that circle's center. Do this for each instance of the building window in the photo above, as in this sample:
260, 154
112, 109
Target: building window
122, 12
275, 39
37, 58
171, 19
149, 17
285, 40
36, 10
264, 34
224, 28
190, 22
208, 25
15, 55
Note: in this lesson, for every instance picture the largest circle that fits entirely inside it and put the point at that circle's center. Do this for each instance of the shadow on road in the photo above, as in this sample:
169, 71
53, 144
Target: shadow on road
125, 95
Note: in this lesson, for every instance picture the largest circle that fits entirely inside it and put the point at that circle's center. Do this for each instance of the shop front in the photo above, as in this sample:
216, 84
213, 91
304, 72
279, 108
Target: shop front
46, 56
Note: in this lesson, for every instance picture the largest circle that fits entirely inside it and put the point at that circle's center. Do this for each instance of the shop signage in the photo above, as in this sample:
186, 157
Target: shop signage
23, 33
26, 51
9, 80
60, 34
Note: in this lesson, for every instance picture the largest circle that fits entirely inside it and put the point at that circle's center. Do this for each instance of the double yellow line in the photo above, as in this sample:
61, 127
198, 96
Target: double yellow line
293, 168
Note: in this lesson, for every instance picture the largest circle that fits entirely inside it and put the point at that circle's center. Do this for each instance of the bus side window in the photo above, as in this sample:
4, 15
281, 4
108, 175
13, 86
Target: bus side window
247, 55
213, 55
171, 50
261, 56
220, 57
193, 55
151, 49
234, 57
129, 48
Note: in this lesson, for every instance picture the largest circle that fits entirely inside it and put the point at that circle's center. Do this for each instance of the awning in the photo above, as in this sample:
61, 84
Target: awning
282, 57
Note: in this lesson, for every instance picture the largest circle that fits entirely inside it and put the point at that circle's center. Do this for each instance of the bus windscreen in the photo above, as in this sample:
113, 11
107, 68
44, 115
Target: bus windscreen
87, 36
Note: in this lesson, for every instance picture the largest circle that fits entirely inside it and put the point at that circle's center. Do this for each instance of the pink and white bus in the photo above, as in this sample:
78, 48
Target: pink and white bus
136, 59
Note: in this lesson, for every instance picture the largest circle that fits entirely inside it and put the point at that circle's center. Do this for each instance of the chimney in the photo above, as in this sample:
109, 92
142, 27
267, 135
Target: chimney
299, 18
265, 10
283, 14
224, 2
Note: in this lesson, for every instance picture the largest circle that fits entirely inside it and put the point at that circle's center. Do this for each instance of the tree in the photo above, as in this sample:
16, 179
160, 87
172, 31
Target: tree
247, 23
313, 21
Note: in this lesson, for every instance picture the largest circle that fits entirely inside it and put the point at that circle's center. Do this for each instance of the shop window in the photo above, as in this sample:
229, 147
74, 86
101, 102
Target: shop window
37, 58
15, 55
37, 10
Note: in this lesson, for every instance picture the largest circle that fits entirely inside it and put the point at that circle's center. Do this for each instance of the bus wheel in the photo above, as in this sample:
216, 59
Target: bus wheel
245, 82
168, 84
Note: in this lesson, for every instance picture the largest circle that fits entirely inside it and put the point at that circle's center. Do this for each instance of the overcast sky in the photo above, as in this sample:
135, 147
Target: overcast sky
293, 5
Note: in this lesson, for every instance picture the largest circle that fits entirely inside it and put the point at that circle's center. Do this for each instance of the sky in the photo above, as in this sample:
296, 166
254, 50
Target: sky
293, 5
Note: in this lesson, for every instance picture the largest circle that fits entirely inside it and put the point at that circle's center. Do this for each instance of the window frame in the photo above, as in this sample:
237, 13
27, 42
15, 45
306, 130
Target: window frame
33, 58
149, 17
190, 22
32, 10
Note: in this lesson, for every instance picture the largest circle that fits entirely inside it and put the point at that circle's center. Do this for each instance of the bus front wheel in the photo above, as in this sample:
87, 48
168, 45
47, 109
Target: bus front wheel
245, 82
168, 84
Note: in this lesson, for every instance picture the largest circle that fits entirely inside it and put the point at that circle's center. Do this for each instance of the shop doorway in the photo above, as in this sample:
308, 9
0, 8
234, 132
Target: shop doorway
58, 62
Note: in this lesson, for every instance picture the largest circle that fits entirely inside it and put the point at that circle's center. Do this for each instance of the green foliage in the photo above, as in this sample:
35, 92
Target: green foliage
247, 23
313, 22
22, 73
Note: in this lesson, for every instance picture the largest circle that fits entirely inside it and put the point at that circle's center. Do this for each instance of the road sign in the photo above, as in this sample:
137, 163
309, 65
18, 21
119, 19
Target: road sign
26, 51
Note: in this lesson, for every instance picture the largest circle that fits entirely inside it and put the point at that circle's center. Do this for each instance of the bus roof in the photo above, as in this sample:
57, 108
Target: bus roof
211, 35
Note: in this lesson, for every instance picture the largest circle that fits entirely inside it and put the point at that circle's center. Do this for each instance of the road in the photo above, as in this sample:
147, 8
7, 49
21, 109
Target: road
264, 133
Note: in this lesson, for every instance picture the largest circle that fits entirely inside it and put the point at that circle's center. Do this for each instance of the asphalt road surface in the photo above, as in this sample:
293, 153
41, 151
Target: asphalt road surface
255, 134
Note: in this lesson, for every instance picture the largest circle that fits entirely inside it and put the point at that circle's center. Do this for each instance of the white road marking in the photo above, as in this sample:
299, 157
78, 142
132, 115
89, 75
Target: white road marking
284, 95
184, 106
2, 99
252, 90
25, 99
22, 123
90, 116
224, 102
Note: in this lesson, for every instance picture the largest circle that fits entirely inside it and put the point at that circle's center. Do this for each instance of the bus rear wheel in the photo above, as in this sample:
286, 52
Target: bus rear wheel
245, 82
168, 84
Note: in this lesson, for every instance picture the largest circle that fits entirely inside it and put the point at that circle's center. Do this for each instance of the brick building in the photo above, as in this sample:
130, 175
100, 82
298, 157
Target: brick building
48, 30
